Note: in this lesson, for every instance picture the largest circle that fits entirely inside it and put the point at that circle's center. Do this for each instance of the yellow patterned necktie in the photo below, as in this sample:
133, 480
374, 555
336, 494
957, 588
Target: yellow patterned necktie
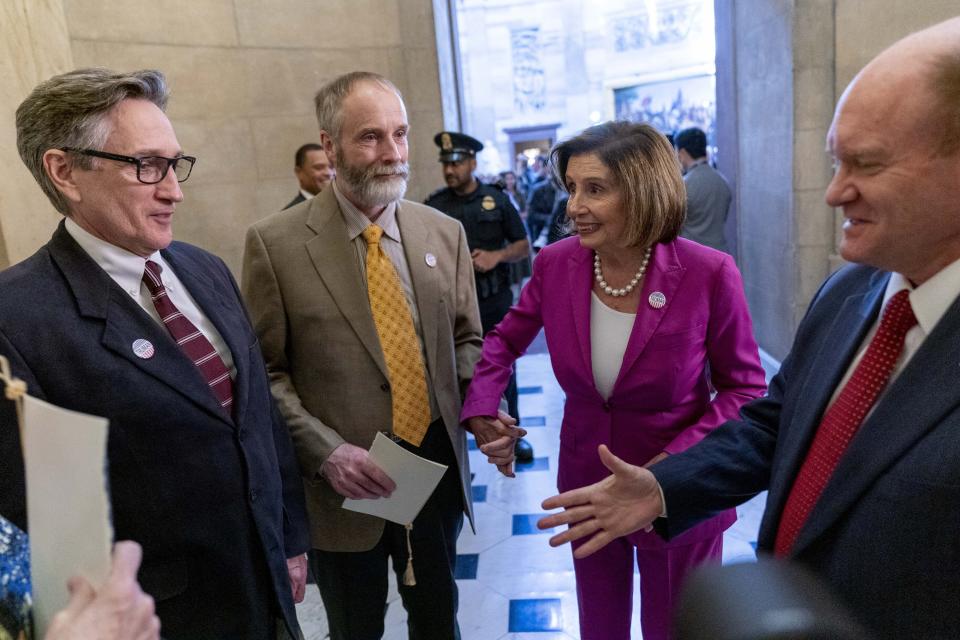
398, 339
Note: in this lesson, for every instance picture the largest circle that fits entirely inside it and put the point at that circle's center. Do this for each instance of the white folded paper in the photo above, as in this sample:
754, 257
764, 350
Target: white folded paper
67, 504
415, 477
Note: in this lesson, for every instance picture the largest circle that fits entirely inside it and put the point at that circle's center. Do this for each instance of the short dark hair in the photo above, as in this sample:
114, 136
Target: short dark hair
693, 141
301, 154
644, 166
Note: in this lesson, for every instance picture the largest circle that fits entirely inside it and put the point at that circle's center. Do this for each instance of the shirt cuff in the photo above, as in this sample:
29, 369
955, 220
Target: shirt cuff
663, 501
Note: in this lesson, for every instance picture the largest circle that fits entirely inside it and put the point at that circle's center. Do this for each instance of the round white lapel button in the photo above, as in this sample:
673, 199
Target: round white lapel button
143, 349
657, 300
430, 259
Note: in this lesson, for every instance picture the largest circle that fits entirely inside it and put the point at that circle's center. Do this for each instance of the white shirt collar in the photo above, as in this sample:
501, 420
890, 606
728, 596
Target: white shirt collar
306, 194
931, 299
124, 267
357, 222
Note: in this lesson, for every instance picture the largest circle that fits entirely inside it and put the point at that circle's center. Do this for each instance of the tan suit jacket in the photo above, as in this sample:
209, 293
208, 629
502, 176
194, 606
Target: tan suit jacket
309, 306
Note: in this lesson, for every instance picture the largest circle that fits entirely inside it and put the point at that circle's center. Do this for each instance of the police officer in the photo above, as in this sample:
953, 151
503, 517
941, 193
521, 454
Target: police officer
495, 234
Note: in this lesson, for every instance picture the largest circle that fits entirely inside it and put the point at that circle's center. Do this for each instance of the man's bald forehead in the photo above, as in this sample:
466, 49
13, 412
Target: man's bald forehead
918, 77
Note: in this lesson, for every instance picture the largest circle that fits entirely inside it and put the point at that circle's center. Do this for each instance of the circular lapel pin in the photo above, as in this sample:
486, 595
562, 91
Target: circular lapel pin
657, 300
430, 259
143, 349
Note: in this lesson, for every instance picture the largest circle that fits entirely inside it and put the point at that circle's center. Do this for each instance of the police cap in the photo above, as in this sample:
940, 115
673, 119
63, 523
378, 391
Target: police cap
456, 146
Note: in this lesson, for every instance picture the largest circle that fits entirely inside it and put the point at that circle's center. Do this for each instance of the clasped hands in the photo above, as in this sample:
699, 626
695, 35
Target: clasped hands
626, 501
496, 438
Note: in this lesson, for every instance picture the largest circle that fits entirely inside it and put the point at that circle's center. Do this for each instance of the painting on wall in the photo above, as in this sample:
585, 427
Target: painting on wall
671, 105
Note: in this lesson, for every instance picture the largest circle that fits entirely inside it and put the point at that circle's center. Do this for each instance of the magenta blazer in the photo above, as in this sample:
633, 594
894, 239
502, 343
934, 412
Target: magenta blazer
661, 399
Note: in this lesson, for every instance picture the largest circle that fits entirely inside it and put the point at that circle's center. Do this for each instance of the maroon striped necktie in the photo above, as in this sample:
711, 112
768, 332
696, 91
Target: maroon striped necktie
843, 418
190, 339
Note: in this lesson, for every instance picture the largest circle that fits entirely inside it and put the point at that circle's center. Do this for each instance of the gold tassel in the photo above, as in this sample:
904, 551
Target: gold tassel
409, 579
14, 389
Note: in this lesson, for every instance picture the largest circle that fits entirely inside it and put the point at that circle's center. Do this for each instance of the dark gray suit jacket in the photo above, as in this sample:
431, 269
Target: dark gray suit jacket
708, 203
886, 531
216, 503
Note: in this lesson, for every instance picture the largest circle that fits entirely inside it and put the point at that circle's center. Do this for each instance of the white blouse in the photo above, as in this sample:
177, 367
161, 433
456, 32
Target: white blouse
609, 333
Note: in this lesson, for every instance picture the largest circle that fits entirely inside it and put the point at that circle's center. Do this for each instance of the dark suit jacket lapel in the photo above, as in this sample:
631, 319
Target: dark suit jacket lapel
905, 413
99, 297
664, 274
335, 261
823, 374
416, 245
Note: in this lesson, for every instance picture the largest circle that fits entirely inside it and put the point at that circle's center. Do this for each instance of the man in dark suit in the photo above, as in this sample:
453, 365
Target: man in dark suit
314, 171
112, 318
858, 439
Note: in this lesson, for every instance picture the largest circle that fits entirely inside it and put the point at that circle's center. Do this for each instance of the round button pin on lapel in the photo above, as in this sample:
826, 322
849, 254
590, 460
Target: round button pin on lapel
430, 259
657, 300
143, 349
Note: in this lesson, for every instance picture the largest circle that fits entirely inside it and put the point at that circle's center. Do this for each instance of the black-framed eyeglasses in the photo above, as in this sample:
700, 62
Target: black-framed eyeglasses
151, 169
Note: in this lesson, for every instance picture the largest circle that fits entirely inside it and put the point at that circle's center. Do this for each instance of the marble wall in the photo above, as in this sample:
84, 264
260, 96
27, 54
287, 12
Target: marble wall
34, 45
242, 75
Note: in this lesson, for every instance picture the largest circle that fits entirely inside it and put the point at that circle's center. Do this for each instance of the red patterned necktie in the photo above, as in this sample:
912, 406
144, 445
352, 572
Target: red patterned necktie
190, 339
844, 416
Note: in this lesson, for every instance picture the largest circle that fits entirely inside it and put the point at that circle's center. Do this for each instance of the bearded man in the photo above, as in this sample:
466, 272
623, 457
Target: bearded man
366, 310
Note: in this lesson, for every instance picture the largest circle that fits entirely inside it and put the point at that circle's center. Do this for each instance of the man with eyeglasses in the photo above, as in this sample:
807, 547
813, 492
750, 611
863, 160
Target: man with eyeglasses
113, 318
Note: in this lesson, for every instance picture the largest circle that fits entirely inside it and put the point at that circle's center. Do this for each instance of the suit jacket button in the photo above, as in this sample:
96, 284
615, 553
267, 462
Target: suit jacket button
606, 407
385, 386
253, 495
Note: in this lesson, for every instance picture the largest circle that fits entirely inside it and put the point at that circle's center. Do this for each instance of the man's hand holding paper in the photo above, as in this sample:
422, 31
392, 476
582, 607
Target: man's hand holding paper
414, 479
352, 474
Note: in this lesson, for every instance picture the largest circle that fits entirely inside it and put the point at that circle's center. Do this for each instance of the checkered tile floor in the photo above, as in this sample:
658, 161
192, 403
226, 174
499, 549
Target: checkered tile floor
513, 585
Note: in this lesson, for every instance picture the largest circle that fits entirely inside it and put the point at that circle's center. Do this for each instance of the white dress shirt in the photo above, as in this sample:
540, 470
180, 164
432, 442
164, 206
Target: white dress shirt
126, 269
929, 302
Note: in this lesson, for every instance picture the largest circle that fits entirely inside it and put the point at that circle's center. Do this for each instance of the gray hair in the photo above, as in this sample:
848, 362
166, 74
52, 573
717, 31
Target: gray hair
70, 110
330, 97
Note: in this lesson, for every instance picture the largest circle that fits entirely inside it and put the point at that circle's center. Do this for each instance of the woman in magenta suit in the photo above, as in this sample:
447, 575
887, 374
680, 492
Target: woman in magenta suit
642, 327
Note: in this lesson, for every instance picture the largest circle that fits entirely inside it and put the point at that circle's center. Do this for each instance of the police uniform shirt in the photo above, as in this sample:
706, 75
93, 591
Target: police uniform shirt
491, 222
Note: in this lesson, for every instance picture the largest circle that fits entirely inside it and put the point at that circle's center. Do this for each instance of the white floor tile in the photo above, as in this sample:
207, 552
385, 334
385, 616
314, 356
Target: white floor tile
493, 526
484, 613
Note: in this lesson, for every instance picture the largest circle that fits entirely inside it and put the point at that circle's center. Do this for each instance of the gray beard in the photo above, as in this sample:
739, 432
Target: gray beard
367, 188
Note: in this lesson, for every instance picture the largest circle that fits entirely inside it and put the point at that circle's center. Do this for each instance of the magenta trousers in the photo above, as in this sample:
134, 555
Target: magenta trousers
605, 586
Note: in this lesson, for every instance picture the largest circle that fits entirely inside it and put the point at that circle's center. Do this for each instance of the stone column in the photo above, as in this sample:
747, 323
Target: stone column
764, 121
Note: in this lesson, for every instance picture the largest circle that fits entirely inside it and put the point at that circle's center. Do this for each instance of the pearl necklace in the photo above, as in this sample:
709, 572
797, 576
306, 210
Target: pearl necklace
619, 293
